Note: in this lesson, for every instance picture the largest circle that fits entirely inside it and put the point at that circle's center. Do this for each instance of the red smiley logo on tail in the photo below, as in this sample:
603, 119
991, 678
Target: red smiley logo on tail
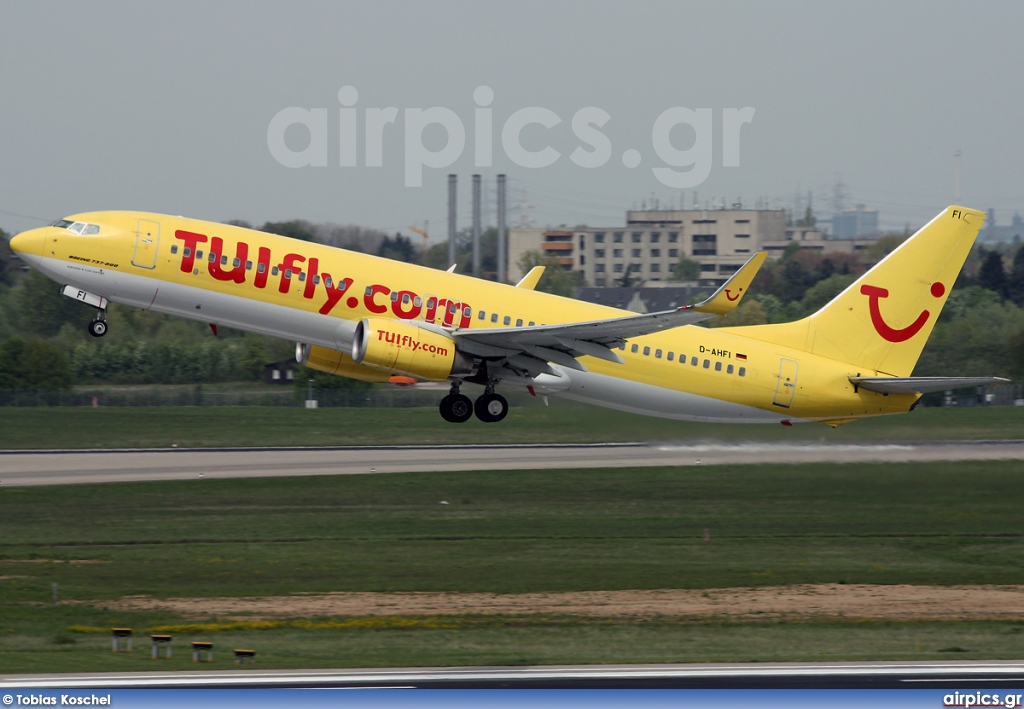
874, 294
731, 297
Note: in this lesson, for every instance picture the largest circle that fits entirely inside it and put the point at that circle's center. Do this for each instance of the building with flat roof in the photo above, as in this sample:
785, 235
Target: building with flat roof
855, 223
652, 242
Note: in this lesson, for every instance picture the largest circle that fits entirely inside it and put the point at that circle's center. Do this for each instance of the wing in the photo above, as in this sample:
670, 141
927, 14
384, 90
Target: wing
921, 385
531, 348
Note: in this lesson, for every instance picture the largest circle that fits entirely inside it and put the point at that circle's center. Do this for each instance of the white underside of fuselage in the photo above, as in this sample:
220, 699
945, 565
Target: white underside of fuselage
300, 325
649, 400
203, 305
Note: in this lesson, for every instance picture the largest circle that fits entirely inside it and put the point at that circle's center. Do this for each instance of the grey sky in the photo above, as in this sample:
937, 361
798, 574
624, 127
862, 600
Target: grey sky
111, 105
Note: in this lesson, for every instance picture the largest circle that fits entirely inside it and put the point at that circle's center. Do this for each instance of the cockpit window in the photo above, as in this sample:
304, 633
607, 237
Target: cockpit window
81, 228
62, 223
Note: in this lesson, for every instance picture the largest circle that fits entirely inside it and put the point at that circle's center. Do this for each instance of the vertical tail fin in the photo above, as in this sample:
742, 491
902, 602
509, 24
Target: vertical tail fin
882, 321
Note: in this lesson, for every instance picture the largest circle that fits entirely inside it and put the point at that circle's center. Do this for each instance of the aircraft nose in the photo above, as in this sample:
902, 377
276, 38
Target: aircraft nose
29, 243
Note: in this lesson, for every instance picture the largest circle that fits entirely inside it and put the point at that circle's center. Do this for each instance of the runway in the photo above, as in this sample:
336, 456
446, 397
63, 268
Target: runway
68, 467
846, 675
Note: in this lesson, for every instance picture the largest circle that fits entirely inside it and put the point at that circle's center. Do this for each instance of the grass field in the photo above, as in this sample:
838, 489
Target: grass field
561, 422
940, 524
509, 643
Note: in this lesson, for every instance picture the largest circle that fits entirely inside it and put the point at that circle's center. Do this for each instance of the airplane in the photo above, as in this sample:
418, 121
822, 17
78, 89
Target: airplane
369, 318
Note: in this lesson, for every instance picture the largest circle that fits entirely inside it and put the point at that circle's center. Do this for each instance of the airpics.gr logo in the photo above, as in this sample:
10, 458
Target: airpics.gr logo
875, 294
680, 168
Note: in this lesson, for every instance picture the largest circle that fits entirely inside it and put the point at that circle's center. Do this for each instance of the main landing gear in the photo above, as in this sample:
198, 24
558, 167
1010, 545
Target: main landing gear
458, 408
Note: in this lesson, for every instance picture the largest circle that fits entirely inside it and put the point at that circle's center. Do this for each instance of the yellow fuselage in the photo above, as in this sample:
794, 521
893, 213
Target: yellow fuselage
316, 294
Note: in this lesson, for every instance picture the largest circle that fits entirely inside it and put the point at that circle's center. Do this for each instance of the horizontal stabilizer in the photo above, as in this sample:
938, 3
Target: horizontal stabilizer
921, 385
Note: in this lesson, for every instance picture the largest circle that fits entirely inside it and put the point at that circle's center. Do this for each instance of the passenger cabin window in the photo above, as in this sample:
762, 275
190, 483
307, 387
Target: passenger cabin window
508, 320
635, 348
174, 248
494, 317
647, 351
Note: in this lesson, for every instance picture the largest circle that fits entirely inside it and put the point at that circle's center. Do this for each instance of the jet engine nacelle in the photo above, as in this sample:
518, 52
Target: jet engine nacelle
331, 361
398, 346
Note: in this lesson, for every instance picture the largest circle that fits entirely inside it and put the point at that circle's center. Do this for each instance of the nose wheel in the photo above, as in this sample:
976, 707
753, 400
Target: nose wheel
98, 327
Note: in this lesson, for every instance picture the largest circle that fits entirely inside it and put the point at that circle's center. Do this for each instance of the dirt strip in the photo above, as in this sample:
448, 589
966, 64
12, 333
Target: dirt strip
796, 602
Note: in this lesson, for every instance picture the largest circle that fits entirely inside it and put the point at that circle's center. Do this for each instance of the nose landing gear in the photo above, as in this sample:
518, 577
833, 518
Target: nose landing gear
98, 327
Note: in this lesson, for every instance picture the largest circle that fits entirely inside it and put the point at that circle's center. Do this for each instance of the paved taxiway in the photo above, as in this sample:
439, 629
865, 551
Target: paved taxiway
19, 468
848, 675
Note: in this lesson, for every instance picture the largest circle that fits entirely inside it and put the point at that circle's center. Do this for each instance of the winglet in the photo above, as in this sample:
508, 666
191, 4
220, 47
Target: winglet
725, 299
531, 279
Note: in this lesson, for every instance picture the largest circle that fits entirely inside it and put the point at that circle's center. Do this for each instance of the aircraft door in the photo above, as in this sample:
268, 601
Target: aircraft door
786, 387
147, 238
